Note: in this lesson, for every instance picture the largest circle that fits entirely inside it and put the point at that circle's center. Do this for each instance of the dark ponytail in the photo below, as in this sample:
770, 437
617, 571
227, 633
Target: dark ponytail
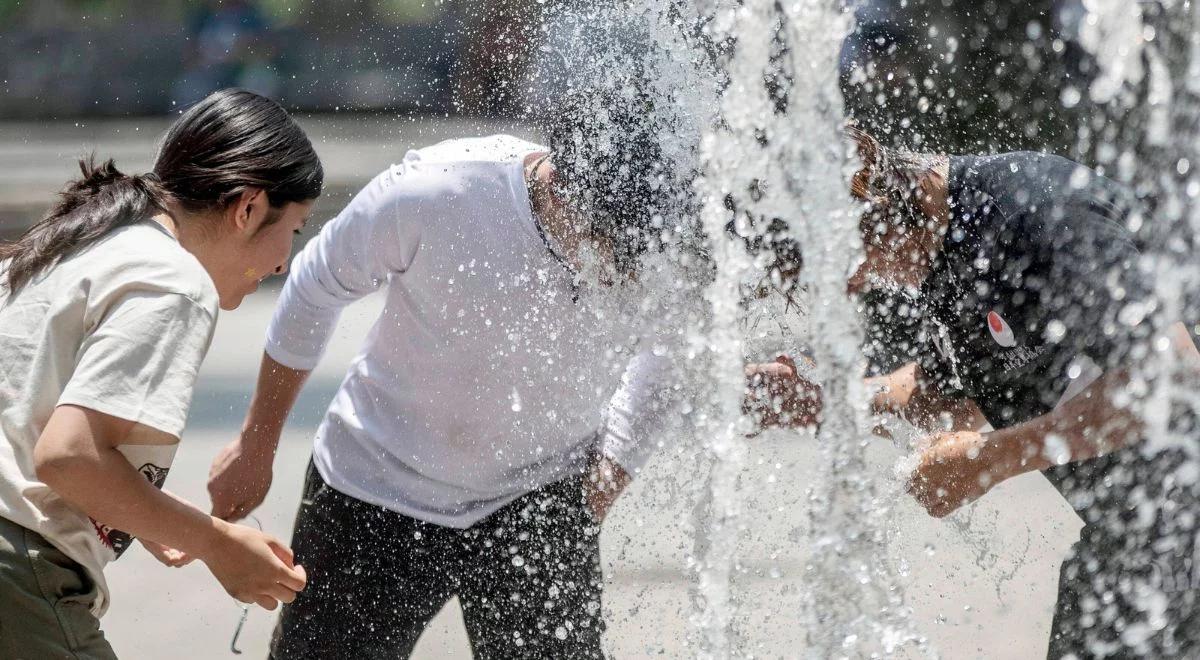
90, 207
231, 141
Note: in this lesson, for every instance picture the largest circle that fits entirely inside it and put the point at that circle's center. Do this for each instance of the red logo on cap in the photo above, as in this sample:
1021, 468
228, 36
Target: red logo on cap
1000, 330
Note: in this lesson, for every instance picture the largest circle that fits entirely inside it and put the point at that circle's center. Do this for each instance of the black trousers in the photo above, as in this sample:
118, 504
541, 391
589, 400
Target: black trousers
1102, 613
1130, 588
528, 578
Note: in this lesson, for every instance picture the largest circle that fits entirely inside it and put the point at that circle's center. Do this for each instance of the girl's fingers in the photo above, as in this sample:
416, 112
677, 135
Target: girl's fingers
293, 578
282, 551
776, 370
167, 556
266, 602
281, 593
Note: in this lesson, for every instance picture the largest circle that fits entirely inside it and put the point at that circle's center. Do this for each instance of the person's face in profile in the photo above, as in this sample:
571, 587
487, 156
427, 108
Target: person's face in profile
895, 254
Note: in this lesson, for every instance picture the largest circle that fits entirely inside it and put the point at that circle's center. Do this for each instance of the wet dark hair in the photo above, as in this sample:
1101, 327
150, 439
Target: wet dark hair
609, 164
889, 181
230, 141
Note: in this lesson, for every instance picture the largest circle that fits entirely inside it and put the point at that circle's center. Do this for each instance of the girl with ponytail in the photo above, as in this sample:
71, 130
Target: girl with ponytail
107, 307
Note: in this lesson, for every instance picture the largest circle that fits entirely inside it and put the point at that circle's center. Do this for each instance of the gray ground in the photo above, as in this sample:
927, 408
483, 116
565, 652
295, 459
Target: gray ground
980, 583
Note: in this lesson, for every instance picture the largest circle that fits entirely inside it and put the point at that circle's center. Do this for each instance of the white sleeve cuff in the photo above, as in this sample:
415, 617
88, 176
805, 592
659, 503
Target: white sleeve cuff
617, 444
631, 460
289, 359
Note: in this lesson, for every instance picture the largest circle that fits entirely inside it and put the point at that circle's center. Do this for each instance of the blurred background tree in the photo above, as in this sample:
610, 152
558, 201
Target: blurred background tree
62, 58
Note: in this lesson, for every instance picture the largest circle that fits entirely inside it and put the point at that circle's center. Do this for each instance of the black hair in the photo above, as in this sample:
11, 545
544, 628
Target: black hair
623, 149
609, 164
228, 142
889, 181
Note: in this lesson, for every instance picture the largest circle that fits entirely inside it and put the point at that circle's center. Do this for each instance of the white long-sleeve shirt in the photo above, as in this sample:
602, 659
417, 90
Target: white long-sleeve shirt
484, 378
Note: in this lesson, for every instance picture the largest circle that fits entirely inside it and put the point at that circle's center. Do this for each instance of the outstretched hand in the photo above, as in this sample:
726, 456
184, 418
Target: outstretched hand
776, 395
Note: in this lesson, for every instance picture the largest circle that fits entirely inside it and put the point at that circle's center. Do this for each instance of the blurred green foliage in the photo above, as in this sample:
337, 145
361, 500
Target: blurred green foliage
387, 11
7, 7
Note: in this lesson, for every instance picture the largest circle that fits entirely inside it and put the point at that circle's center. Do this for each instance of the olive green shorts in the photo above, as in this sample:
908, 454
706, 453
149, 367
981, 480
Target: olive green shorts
45, 602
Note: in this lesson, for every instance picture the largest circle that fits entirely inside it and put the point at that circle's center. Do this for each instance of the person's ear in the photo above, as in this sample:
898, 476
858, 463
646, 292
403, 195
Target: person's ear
249, 210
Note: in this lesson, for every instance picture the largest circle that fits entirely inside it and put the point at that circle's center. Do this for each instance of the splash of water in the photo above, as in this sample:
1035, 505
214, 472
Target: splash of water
778, 153
1147, 87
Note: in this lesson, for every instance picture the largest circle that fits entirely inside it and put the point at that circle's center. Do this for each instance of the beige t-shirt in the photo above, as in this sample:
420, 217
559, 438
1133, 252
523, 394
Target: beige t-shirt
120, 327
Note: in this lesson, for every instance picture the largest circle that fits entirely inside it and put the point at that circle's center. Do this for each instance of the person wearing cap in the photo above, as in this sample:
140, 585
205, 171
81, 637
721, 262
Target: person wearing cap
1037, 317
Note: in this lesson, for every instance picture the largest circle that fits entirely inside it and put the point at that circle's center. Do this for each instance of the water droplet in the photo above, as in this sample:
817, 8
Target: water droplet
1056, 449
1055, 331
1071, 97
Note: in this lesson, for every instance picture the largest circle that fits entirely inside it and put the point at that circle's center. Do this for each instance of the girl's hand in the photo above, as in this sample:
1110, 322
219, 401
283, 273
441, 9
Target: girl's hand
956, 468
167, 556
252, 566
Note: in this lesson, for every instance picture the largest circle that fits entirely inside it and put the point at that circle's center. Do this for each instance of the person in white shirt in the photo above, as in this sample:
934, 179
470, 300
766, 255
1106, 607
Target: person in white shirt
107, 308
496, 409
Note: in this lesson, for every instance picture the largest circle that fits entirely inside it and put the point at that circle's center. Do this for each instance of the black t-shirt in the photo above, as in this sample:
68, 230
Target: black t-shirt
1037, 272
